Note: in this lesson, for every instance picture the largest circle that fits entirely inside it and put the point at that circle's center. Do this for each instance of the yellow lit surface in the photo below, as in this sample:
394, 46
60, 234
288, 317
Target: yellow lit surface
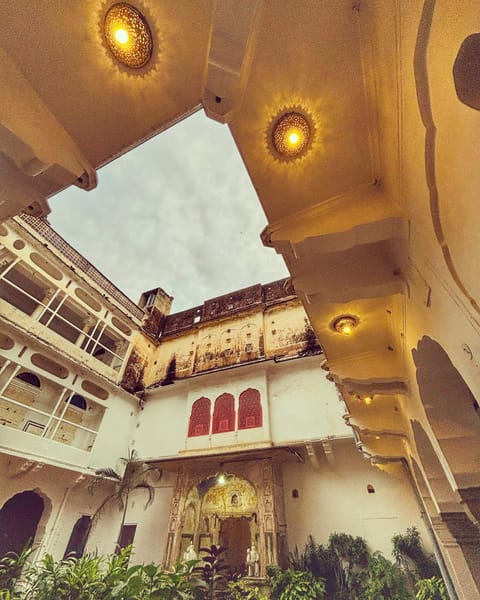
290, 135
367, 399
345, 325
128, 35
293, 138
121, 35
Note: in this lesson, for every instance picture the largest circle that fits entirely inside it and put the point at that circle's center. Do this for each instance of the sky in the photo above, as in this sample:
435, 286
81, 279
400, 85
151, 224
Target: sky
179, 212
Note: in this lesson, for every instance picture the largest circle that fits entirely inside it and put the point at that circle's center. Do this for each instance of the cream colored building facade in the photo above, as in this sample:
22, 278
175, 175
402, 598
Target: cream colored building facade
376, 217
232, 388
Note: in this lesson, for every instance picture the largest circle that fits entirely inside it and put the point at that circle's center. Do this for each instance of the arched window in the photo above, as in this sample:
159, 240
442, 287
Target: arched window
224, 414
78, 537
250, 409
29, 378
199, 418
78, 401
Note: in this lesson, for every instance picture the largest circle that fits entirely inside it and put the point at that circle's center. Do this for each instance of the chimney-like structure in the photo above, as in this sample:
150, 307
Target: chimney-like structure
156, 305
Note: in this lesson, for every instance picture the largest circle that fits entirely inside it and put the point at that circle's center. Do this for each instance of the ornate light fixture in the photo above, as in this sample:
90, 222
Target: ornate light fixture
345, 324
128, 35
291, 135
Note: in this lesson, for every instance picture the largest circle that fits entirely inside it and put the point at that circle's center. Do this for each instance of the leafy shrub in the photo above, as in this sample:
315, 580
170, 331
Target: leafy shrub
241, 590
385, 580
410, 555
11, 567
295, 585
213, 581
320, 560
431, 589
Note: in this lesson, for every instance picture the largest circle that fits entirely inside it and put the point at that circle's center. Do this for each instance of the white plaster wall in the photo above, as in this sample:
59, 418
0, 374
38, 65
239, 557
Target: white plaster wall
152, 522
303, 403
336, 500
160, 430
65, 498
116, 431
298, 404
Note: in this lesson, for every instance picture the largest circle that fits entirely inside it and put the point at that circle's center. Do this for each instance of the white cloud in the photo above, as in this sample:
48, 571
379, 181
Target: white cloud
178, 212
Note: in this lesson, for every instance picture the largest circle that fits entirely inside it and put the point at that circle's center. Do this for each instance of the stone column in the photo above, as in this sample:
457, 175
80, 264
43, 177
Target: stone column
460, 540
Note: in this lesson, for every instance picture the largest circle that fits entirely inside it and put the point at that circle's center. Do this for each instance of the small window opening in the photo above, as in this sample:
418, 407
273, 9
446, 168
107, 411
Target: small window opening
29, 378
370, 489
78, 401
295, 493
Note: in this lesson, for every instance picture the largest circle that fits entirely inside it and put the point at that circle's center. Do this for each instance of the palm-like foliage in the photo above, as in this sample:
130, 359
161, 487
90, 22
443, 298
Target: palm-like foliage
133, 478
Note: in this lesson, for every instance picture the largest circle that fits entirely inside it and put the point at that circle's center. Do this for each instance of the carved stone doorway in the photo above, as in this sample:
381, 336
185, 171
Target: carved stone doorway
235, 536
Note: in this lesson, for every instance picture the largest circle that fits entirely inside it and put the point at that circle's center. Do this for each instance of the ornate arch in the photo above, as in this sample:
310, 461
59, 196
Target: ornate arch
199, 417
250, 409
224, 414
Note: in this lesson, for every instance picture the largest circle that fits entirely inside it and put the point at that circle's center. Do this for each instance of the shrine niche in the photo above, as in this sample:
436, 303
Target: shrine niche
240, 507
221, 513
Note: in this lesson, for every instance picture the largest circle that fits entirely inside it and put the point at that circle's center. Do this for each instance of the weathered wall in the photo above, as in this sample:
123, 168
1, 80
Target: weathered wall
335, 499
262, 322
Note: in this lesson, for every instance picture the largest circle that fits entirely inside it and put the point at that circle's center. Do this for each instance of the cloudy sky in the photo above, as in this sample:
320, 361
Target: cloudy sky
178, 212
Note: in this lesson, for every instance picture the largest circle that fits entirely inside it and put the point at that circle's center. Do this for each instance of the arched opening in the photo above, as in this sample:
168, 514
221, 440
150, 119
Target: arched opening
78, 401
78, 537
199, 418
212, 502
224, 414
235, 537
19, 519
29, 378
451, 411
250, 409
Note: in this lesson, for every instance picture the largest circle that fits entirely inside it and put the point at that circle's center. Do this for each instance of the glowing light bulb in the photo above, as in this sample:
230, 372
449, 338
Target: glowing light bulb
221, 479
345, 324
291, 135
293, 138
121, 35
367, 399
128, 35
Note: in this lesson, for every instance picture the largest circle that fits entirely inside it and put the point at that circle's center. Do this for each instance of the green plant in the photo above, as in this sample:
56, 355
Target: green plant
107, 578
241, 590
68, 579
320, 560
351, 562
431, 589
410, 555
295, 585
11, 567
385, 580
179, 584
134, 478
213, 580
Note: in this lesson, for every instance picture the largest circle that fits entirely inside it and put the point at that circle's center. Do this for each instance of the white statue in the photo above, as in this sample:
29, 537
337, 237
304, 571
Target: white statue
253, 562
190, 553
